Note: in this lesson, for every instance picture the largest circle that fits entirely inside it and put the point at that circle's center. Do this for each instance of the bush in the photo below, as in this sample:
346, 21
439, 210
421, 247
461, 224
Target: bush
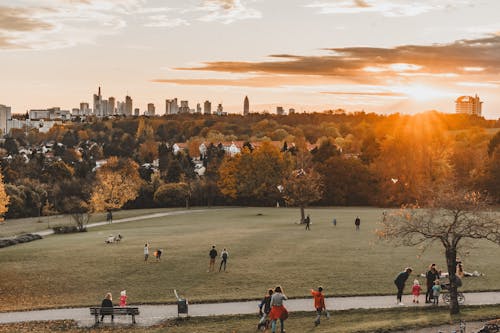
67, 229
19, 239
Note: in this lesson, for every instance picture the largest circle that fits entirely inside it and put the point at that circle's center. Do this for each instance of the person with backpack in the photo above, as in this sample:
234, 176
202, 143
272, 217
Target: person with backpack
224, 255
212, 254
264, 309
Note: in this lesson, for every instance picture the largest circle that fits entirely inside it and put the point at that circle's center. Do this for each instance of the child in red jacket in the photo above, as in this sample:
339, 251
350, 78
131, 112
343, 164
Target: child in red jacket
415, 290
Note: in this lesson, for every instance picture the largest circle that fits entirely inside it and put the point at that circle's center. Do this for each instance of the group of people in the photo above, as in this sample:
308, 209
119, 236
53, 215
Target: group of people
433, 283
272, 308
107, 302
307, 222
213, 255
157, 253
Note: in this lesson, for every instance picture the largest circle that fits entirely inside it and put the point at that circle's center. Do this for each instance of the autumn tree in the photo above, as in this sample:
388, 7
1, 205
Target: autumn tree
117, 182
301, 188
4, 199
454, 218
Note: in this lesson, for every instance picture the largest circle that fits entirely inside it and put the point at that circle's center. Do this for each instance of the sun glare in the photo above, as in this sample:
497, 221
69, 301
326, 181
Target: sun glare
421, 92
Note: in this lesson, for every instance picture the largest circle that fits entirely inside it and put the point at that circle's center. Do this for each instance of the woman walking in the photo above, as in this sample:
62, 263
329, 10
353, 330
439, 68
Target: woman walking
278, 310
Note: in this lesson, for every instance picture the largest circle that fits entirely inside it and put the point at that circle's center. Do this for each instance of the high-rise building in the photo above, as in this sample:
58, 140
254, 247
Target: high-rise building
198, 108
220, 109
84, 109
246, 106
98, 103
111, 106
5, 116
469, 105
184, 107
171, 106
128, 106
207, 107
137, 112
151, 110
280, 111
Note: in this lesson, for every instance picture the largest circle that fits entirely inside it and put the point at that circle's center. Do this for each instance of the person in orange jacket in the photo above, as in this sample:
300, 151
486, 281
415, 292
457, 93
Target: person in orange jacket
319, 304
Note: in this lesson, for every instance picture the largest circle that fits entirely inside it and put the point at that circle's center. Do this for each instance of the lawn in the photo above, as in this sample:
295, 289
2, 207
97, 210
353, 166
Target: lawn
351, 321
266, 248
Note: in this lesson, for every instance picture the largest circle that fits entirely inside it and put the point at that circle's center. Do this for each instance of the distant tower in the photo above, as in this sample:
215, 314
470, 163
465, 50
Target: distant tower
151, 109
98, 103
5, 116
246, 106
280, 111
111, 106
128, 106
207, 107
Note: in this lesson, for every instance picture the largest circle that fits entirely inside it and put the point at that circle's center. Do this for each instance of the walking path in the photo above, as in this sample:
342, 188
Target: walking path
153, 314
129, 219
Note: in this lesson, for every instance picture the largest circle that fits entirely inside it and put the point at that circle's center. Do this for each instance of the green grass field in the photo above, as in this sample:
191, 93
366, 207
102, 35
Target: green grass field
351, 321
266, 248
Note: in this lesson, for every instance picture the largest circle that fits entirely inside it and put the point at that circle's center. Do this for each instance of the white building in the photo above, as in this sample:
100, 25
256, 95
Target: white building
50, 114
5, 116
468, 105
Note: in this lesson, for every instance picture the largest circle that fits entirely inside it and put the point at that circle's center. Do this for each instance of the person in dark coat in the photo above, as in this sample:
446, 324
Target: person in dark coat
431, 276
107, 302
264, 309
357, 223
400, 283
307, 221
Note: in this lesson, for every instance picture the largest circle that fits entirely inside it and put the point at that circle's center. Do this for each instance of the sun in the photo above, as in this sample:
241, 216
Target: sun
419, 92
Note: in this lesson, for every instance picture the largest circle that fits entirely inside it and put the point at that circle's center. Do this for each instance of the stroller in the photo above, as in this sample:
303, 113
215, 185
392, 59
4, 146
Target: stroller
264, 322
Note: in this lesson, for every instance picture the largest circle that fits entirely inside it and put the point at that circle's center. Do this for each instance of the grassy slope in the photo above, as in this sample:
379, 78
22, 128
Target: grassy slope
265, 250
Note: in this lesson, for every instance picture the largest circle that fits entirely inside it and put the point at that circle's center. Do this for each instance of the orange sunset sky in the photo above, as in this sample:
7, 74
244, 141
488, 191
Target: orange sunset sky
383, 56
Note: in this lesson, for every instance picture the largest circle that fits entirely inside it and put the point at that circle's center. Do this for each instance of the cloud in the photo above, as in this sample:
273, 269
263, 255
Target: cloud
361, 62
390, 8
227, 11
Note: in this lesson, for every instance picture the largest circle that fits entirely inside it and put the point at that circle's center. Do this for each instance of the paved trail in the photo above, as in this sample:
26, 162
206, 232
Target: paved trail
153, 314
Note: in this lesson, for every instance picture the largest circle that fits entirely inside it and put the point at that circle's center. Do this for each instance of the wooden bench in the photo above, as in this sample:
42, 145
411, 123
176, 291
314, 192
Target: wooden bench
114, 311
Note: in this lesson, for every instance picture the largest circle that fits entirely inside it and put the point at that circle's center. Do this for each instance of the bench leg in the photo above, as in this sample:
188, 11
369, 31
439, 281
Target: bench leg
133, 319
96, 317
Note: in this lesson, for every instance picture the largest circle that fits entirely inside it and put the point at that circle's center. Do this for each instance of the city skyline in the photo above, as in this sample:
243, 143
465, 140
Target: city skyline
380, 56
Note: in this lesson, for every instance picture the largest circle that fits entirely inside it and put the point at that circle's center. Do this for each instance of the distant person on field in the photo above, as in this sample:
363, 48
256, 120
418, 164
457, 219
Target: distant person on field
107, 302
146, 252
357, 223
415, 290
158, 254
223, 255
109, 216
123, 298
307, 221
319, 304
334, 222
278, 310
212, 254
400, 283
264, 309
431, 276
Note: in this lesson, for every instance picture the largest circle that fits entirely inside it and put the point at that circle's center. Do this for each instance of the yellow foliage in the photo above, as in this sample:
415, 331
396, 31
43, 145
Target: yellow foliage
4, 199
117, 182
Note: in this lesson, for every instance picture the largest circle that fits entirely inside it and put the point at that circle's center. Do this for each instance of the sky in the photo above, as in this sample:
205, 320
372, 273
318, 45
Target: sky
383, 56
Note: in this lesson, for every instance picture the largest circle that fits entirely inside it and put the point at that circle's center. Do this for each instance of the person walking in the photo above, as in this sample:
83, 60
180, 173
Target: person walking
400, 283
109, 216
334, 222
307, 221
212, 254
431, 276
357, 223
107, 302
278, 310
146, 252
319, 304
264, 309
223, 255
436, 291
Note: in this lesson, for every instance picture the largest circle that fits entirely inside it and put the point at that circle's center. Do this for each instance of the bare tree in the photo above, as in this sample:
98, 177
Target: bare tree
454, 218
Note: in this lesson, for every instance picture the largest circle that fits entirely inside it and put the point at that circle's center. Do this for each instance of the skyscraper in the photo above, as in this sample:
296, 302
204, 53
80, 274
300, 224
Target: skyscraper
171, 106
151, 109
246, 106
207, 107
98, 103
128, 106
5, 116
111, 106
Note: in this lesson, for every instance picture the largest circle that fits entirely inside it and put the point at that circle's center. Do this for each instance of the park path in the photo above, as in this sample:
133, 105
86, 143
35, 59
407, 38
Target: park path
153, 314
48, 232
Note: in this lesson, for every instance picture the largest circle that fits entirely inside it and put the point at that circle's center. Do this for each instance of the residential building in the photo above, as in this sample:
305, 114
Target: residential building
50, 114
137, 112
198, 108
5, 116
469, 105
111, 106
280, 111
151, 110
184, 107
128, 106
171, 106
207, 107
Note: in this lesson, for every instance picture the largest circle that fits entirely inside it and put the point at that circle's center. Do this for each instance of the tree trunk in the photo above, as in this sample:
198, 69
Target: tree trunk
451, 261
302, 214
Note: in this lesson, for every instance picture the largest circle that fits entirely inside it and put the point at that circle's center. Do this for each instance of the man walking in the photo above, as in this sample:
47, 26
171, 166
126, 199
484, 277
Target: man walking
357, 223
319, 304
307, 221
146, 252
212, 254
223, 255
400, 283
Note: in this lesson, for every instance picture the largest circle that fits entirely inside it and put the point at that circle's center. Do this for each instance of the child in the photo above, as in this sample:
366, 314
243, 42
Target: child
123, 298
319, 304
264, 309
436, 291
416, 290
